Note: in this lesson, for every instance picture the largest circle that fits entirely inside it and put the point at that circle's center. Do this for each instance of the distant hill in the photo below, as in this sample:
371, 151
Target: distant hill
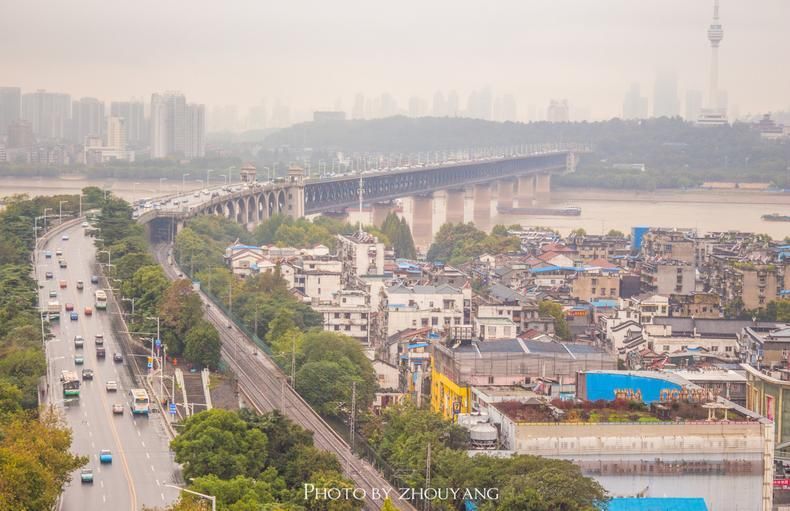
674, 152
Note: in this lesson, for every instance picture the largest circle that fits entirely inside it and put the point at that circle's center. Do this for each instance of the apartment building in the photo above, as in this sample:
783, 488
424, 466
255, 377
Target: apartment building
360, 254
668, 276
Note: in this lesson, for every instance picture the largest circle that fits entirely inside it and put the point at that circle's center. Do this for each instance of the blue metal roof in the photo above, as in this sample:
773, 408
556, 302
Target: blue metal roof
604, 303
655, 504
419, 345
547, 269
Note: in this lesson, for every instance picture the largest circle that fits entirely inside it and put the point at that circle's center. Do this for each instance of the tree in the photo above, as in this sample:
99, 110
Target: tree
203, 345
218, 442
615, 233
579, 232
35, 461
554, 309
180, 309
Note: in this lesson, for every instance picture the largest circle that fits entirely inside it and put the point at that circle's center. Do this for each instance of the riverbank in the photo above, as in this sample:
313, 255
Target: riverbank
695, 195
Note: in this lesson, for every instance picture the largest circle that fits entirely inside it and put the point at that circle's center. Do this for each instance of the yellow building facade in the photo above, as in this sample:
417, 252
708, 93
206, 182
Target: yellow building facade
447, 397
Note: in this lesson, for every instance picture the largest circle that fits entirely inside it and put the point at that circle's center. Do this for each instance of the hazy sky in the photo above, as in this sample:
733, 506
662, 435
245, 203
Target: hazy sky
311, 52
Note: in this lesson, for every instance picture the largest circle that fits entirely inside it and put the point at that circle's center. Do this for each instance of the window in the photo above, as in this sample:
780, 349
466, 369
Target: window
593, 291
492, 331
337, 315
714, 348
490, 380
666, 347
434, 321
613, 292
506, 331
728, 349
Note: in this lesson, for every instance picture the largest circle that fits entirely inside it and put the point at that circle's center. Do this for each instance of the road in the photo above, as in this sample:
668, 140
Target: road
142, 461
264, 384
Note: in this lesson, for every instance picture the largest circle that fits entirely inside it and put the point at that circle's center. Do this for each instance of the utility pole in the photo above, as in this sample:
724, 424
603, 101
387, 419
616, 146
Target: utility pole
361, 192
353, 414
426, 502
293, 361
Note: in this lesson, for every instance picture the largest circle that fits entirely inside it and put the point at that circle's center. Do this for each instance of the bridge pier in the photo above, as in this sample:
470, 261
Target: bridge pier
454, 206
504, 195
422, 220
543, 185
481, 212
526, 191
378, 212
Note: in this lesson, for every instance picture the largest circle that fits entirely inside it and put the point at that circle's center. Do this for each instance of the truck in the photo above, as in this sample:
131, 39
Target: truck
53, 307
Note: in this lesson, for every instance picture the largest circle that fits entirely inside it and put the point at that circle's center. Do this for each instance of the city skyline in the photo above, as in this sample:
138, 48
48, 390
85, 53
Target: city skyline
250, 59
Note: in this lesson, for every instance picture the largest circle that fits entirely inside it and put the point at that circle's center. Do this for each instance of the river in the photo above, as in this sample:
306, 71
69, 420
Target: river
602, 210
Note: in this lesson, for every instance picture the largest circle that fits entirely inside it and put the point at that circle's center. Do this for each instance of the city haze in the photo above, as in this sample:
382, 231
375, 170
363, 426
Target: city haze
318, 55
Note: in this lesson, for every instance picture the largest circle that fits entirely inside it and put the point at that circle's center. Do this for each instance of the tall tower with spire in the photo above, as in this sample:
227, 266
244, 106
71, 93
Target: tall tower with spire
715, 35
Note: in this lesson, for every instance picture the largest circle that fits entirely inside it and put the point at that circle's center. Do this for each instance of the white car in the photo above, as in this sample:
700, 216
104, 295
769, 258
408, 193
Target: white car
65, 237
112, 386
84, 224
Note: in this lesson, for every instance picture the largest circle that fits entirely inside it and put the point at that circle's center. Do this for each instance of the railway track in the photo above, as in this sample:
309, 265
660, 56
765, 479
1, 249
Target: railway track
265, 386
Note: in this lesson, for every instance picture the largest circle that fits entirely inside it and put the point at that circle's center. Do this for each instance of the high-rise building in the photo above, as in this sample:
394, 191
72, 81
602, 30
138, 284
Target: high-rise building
417, 107
358, 111
49, 113
20, 135
452, 104
634, 104
195, 131
665, 95
509, 109
693, 105
157, 127
439, 105
10, 107
177, 129
117, 134
134, 114
87, 116
558, 111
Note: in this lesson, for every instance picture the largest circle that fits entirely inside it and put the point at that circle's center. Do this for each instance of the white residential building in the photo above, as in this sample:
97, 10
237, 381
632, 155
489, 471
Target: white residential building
318, 278
348, 313
438, 307
361, 254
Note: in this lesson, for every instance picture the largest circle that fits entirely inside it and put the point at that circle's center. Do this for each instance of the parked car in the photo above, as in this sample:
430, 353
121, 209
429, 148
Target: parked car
86, 476
74, 316
105, 456
117, 409
87, 374
111, 386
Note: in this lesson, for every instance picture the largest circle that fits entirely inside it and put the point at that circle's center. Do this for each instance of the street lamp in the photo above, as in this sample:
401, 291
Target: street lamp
160, 183
183, 180
225, 178
134, 190
212, 498
208, 177
60, 210
45, 218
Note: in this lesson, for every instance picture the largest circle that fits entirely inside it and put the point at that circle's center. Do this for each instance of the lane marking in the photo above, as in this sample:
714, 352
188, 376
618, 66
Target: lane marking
153, 469
143, 443
162, 495
148, 456
157, 482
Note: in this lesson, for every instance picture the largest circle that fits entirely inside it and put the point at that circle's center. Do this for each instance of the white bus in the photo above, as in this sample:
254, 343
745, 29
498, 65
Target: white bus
101, 299
139, 401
